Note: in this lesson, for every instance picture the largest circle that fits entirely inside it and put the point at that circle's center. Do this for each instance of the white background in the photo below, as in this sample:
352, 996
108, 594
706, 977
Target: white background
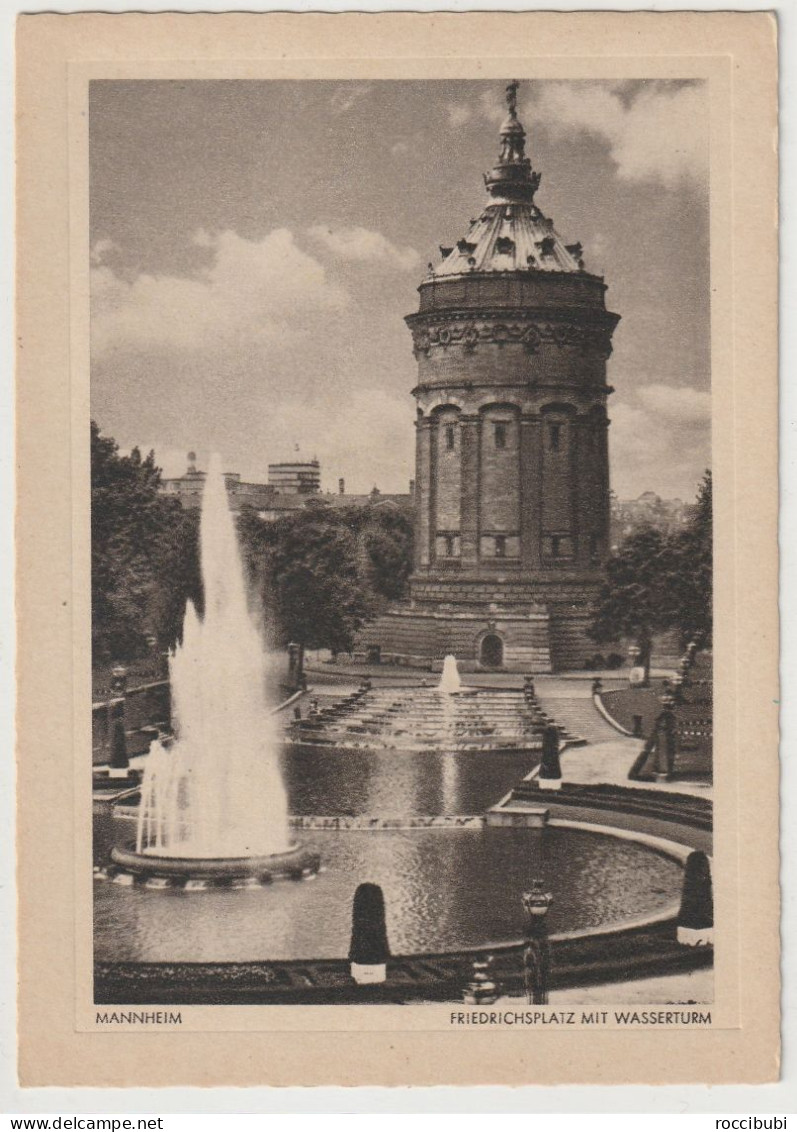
730, 1101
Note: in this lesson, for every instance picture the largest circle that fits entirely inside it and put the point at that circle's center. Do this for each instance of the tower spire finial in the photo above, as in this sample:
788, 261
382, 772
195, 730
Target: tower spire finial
511, 97
512, 177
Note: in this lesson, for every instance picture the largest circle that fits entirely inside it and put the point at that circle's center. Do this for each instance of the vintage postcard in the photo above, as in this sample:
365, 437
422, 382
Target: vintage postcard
397, 549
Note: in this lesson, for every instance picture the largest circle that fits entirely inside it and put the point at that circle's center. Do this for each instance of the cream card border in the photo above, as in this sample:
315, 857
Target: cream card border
58, 55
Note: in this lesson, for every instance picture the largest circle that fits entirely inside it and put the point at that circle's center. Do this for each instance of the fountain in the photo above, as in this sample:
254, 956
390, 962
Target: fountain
213, 805
449, 678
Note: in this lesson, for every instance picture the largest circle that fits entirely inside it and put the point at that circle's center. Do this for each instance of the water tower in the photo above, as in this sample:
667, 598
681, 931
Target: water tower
511, 338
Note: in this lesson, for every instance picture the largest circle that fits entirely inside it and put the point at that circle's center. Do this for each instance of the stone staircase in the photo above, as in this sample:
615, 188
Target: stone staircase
577, 710
418, 719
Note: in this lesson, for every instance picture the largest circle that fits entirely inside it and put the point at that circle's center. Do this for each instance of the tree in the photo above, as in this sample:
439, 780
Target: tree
637, 599
693, 582
657, 581
388, 544
144, 558
305, 569
320, 572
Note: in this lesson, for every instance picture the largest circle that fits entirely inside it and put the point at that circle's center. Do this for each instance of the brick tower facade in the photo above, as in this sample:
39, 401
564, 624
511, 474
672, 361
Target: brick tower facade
511, 338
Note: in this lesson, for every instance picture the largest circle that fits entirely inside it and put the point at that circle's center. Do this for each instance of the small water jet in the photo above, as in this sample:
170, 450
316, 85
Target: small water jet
449, 678
213, 805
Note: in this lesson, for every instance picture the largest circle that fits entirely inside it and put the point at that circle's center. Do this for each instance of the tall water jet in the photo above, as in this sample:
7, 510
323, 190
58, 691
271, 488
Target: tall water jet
216, 791
449, 678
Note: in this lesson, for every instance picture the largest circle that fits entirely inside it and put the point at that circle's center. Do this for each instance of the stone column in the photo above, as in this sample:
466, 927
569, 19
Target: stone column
531, 491
434, 440
578, 487
587, 488
423, 489
469, 511
605, 507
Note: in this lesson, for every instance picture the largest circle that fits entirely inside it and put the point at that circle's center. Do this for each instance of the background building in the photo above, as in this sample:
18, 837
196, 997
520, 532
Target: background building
511, 338
647, 510
189, 487
295, 478
290, 487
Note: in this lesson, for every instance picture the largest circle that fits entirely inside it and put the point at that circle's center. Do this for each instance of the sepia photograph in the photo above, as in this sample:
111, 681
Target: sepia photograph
401, 520
397, 544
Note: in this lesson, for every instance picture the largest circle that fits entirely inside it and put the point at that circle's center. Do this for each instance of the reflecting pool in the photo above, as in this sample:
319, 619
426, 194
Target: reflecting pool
444, 889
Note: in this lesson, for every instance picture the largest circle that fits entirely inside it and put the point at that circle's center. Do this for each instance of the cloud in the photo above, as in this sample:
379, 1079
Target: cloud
489, 106
364, 246
172, 461
660, 440
383, 417
459, 113
660, 135
252, 292
100, 249
347, 96
492, 105
681, 405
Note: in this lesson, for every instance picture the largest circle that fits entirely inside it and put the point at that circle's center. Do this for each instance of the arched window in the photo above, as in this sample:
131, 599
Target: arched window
491, 651
450, 437
500, 435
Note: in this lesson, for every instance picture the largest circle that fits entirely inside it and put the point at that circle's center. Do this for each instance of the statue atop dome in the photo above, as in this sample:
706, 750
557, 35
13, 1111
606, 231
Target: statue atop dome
511, 97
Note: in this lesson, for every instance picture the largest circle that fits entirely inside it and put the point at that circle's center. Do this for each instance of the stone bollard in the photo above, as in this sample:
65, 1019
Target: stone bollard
369, 950
550, 776
665, 741
636, 729
294, 672
482, 988
116, 719
118, 763
696, 915
537, 951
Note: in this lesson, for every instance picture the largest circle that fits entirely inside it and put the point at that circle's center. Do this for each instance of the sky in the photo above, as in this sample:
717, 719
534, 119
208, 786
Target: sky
255, 247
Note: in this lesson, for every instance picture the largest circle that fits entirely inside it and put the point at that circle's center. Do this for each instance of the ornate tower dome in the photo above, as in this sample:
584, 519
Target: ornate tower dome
511, 338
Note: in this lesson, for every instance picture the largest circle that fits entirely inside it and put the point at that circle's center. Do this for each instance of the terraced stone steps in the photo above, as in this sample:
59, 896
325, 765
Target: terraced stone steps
425, 718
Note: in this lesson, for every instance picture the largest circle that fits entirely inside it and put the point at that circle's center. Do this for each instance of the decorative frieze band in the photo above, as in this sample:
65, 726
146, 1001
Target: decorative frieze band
564, 335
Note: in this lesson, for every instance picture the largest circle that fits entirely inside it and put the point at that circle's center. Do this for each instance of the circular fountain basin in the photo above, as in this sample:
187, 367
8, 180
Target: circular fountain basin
447, 890
296, 862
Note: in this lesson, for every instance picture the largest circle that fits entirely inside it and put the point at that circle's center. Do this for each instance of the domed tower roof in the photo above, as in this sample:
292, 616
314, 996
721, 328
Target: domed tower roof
511, 234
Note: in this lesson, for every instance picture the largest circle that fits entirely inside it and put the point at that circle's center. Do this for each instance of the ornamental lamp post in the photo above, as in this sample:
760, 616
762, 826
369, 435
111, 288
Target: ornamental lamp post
117, 752
636, 677
482, 988
118, 680
665, 740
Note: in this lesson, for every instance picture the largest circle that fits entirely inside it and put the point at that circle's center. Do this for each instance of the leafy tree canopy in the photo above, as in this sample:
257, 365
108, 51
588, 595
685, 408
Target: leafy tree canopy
144, 557
317, 573
320, 573
658, 581
693, 547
